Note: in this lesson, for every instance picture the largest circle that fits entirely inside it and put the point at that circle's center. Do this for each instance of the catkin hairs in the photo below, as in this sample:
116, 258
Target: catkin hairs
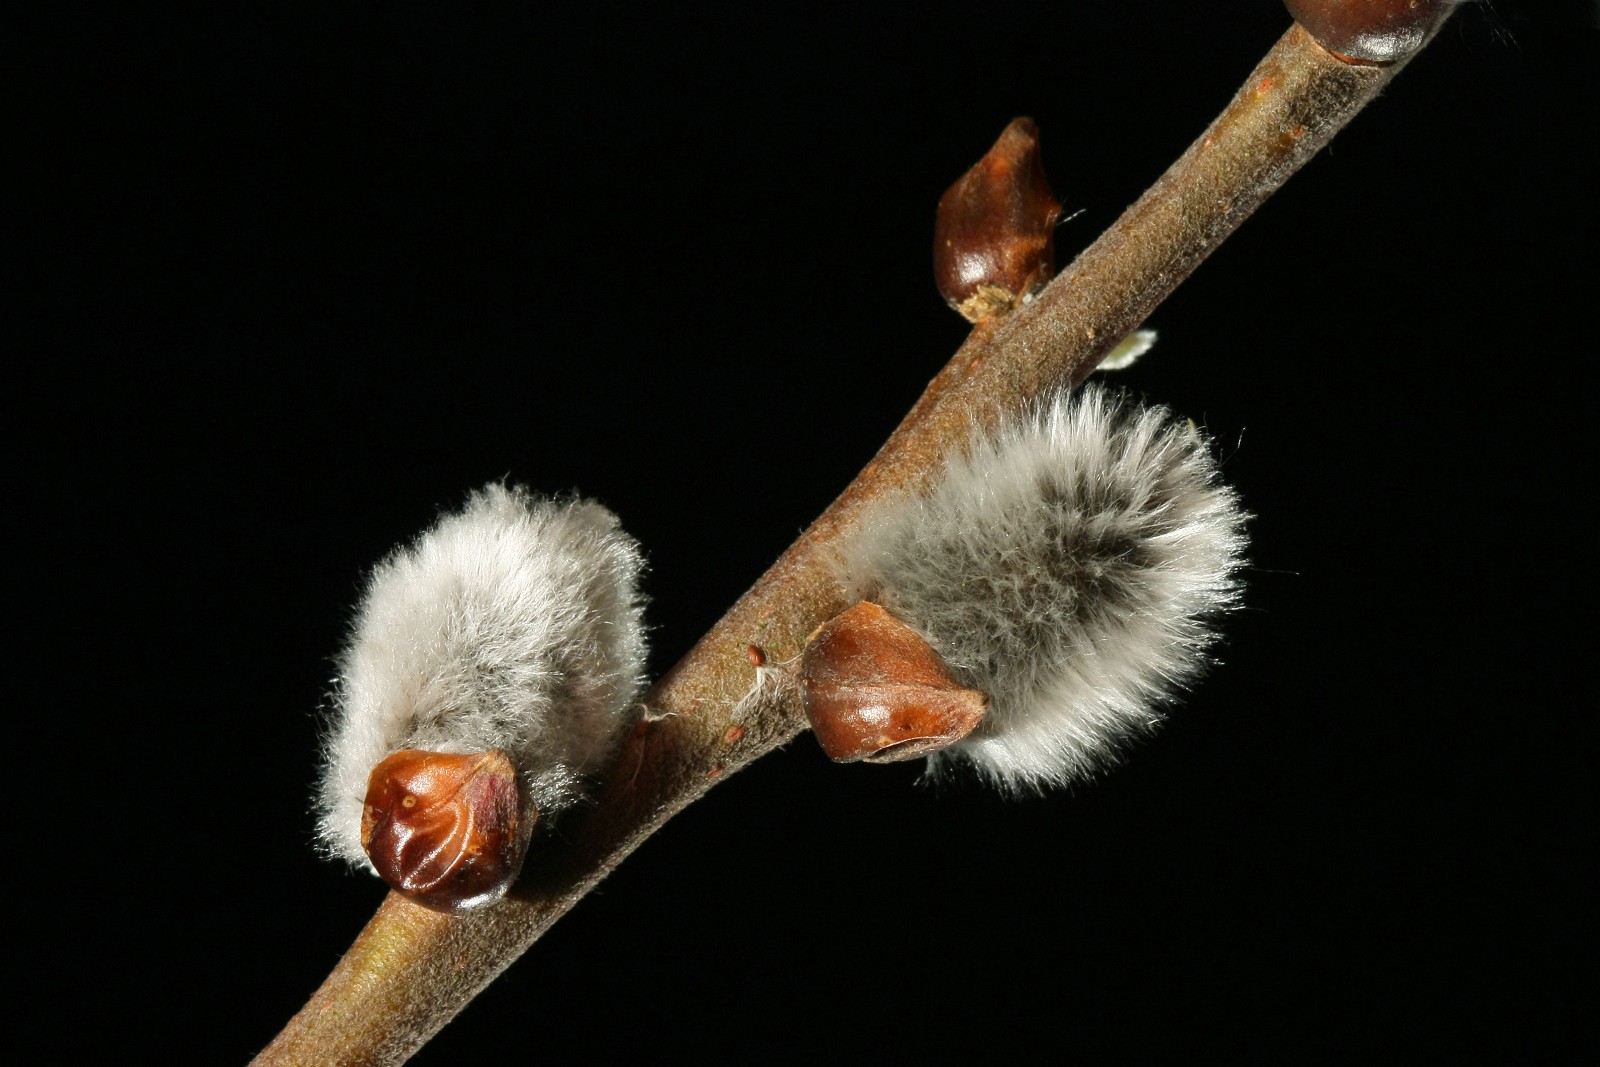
1069, 566
515, 623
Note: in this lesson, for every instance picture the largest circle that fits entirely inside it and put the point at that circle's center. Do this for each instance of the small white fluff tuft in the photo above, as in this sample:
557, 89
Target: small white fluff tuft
1069, 567
1128, 350
515, 623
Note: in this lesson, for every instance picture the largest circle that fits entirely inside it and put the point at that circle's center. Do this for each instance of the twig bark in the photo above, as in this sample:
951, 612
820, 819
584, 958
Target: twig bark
411, 969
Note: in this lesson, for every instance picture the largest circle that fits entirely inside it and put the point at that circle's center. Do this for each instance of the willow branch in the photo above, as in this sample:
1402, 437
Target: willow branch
411, 970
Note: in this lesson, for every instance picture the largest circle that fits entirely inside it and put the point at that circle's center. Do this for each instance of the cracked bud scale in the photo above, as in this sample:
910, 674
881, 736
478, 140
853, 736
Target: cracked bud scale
874, 690
1369, 31
994, 239
444, 829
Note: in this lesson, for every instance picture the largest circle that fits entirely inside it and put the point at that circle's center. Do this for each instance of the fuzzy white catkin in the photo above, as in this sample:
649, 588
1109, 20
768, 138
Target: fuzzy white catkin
1068, 566
516, 623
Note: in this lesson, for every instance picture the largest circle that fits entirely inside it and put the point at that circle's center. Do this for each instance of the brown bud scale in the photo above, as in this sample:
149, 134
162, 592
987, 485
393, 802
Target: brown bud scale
1369, 31
875, 690
994, 239
445, 829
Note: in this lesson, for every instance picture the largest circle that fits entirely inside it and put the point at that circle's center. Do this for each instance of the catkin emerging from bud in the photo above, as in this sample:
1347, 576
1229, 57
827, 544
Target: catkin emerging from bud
1069, 567
515, 624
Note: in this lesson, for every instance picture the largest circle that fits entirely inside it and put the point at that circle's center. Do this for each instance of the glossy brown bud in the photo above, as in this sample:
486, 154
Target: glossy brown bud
1369, 31
444, 829
994, 240
874, 690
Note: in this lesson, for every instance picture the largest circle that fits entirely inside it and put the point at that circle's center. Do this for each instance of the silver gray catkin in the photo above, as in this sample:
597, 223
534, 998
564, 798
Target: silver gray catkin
1070, 567
515, 623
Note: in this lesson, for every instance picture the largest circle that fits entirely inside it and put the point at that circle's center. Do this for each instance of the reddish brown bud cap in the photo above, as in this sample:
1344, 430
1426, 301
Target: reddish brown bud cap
994, 240
1369, 31
443, 829
875, 690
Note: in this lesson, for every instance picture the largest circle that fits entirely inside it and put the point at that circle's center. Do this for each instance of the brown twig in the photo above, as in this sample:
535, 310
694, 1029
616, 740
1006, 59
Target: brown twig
412, 969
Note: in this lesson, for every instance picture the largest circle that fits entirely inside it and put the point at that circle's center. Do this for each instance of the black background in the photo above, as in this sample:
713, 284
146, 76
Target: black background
294, 279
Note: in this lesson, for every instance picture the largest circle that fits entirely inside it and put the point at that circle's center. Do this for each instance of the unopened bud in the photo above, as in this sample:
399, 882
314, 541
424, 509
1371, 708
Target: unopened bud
994, 239
1369, 31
